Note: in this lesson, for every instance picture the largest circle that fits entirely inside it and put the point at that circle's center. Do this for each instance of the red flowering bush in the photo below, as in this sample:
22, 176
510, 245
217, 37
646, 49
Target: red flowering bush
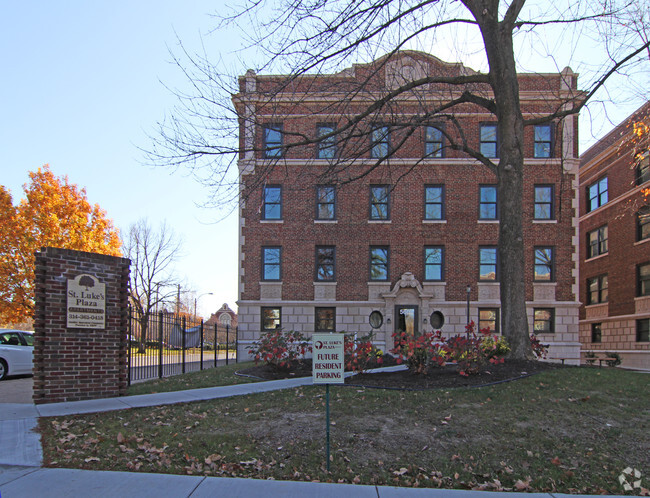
473, 351
539, 350
421, 352
470, 352
360, 353
280, 349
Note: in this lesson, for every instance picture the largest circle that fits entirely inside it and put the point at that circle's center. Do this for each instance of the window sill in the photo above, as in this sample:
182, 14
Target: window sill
594, 258
639, 242
435, 222
487, 222
375, 222
271, 222
326, 222
545, 222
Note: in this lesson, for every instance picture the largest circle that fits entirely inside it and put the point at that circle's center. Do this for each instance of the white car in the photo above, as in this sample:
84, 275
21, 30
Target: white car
16, 352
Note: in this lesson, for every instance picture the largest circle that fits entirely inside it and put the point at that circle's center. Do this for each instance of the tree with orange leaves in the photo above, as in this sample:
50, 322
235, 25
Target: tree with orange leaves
54, 213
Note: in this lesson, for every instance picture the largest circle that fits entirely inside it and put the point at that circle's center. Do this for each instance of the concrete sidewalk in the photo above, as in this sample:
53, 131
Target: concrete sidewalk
21, 474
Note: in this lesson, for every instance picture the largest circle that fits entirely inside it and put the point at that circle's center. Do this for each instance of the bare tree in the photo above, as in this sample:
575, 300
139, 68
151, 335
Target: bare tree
303, 38
153, 253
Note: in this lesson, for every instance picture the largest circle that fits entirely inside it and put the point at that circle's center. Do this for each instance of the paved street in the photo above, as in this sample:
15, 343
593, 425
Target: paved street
17, 389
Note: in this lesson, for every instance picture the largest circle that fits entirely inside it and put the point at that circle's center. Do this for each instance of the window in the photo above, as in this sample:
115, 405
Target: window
487, 209
271, 258
643, 223
272, 203
643, 279
488, 263
597, 242
433, 142
596, 332
597, 289
544, 264
434, 263
544, 206
375, 319
378, 263
488, 139
379, 197
437, 320
543, 320
597, 194
643, 330
543, 140
434, 202
326, 146
380, 142
325, 202
325, 320
325, 257
488, 318
642, 168
273, 141
271, 319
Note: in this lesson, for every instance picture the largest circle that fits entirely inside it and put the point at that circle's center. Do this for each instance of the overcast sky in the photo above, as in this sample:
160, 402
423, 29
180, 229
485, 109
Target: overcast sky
80, 89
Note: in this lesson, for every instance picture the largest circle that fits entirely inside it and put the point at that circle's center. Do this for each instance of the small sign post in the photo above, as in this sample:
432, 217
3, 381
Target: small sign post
327, 368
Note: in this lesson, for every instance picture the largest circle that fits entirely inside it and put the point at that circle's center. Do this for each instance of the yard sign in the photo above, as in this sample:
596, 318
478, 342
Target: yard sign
327, 361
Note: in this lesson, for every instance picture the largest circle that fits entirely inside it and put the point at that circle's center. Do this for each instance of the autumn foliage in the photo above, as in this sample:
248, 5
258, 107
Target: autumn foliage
54, 213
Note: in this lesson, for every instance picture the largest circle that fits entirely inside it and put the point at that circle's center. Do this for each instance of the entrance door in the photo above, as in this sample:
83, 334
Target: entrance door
406, 319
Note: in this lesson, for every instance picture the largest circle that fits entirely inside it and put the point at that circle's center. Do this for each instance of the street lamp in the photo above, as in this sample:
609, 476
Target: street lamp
197, 298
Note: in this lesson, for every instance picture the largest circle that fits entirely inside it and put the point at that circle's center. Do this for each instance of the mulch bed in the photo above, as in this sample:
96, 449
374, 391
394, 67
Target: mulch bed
442, 377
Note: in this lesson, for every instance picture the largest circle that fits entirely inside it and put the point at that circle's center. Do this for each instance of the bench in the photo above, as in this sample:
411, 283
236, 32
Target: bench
609, 358
563, 359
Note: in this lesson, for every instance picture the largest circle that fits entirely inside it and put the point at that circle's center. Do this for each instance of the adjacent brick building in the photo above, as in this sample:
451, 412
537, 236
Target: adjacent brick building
398, 247
615, 243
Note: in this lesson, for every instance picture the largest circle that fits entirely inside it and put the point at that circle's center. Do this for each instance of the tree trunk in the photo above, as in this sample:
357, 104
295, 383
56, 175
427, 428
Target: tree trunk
497, 37
144, 324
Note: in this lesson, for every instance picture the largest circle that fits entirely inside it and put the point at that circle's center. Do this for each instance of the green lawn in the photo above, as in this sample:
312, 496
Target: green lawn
570, 430
210, 377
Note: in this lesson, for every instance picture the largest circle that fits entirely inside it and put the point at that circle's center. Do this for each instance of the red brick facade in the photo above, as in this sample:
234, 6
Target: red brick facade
72, 364
615, 322
406, 232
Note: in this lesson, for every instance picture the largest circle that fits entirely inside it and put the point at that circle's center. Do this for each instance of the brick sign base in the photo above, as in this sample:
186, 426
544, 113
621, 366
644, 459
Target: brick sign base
73, 364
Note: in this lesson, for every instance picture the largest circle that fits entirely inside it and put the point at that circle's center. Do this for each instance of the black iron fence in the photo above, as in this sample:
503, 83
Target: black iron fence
164, 344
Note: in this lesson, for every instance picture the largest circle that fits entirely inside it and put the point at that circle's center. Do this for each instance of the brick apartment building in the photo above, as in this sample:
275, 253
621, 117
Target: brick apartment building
615, 249
413, 240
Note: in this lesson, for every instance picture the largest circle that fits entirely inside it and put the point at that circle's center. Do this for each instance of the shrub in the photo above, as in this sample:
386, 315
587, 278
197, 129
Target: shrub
590, 357
280, 349
421, 352
539, 350
472, 352
360, 354
616, 361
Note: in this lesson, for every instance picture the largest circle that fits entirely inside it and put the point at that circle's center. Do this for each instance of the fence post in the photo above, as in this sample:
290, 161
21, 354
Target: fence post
201, 325
183, 344
160, 345
129, 333
227, 343
216, 345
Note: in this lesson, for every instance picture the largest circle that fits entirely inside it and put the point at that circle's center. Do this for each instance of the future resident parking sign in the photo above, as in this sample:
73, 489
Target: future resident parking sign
327, 359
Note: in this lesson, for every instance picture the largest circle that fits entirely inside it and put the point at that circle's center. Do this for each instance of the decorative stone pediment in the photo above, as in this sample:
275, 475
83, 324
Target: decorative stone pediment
408, 65
407, 281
